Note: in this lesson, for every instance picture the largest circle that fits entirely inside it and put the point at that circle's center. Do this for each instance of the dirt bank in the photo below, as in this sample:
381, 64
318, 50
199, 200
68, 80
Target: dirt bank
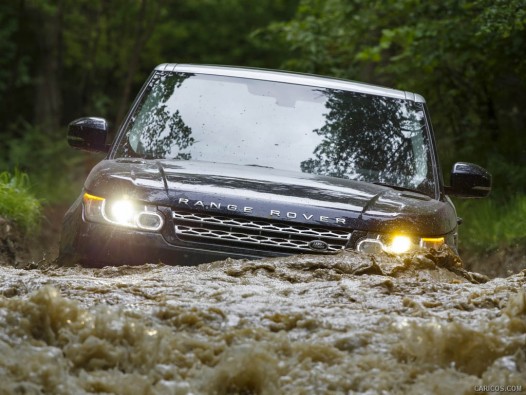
501, 262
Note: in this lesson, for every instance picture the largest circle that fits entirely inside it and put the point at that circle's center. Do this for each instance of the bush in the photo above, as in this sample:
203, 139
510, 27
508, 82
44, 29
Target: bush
491, 224
57, 171
16, 201
498, 221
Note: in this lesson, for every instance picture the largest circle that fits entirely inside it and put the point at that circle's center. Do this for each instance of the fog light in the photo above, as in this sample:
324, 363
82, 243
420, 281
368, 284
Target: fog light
431, 242
149, 220
370, 246
399, 245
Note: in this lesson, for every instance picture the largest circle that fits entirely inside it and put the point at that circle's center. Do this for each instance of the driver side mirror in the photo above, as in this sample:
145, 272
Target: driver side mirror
469, 181
89, 134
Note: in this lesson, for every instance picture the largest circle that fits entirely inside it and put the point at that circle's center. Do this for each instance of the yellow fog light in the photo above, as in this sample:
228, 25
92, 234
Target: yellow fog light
431, 242
399, 245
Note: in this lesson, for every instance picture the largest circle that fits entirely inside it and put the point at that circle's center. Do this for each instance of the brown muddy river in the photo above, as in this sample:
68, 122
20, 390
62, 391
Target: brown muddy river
344, 324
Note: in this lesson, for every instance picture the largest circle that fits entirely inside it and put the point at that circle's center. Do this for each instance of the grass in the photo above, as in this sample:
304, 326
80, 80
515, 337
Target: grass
489, 224
57, 171
17, 202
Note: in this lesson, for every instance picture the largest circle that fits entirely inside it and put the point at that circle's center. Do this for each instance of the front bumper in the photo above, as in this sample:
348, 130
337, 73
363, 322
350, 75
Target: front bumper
98, 245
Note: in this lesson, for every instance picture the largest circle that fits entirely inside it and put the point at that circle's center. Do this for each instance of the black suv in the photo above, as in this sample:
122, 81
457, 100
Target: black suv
215, 162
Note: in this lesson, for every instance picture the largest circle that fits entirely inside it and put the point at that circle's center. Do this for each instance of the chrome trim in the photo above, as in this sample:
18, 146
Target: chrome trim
291, 78
318, 245
149, 213
146, 210
229, 231
360, 246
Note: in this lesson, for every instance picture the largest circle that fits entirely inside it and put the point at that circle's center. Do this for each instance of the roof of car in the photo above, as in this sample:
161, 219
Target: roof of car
291, 78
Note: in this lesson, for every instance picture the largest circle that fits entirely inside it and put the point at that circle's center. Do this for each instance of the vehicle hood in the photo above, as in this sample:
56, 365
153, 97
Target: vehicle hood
264, 193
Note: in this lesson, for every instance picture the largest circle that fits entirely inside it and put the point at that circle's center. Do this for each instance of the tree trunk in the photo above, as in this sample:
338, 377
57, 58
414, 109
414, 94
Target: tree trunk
48, 100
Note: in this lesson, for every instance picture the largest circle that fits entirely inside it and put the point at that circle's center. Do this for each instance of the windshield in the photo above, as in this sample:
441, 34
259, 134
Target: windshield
301, 128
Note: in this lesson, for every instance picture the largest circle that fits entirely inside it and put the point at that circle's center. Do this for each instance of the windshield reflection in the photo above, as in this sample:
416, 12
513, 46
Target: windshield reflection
261, 123
370, 138
157, 128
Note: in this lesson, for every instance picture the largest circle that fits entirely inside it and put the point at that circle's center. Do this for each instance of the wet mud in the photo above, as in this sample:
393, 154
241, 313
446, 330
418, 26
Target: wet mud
344, 324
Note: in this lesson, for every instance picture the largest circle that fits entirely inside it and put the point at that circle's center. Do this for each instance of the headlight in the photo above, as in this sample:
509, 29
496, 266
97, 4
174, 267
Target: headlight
122, 212
397, 244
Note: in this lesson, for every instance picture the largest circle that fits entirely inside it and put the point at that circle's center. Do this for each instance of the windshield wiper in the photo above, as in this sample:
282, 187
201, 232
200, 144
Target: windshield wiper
264, 167
398, 187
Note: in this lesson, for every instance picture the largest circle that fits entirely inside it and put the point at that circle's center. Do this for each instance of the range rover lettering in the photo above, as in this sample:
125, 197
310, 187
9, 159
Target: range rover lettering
214, 162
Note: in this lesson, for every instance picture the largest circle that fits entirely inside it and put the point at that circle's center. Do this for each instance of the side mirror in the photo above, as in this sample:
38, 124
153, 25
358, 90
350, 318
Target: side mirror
469, 181
88, 134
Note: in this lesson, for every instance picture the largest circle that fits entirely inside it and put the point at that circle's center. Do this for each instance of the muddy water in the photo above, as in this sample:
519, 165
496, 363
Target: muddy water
301, 325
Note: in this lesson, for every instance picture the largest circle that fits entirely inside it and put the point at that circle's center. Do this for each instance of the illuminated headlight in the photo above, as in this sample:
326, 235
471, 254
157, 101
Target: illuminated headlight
397, 244
122, 212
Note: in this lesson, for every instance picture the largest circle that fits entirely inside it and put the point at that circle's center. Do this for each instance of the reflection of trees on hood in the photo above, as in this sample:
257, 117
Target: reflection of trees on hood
161, 130
365, 136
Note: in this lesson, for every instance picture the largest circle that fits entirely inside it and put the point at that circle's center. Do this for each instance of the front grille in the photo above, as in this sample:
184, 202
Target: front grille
266, 235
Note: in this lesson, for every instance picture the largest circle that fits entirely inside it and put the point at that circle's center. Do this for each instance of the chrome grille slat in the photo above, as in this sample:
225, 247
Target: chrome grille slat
192, 226
246, 223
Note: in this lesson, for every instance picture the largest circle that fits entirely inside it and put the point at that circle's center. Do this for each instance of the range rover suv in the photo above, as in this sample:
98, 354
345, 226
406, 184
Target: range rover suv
214, 162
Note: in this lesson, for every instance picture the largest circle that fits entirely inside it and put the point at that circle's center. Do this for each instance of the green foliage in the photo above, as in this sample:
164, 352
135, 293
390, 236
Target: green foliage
316, 38
219, 32
17, 203
7, 46
57, 171
509, 178
489, 225
14, 64
499, 220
